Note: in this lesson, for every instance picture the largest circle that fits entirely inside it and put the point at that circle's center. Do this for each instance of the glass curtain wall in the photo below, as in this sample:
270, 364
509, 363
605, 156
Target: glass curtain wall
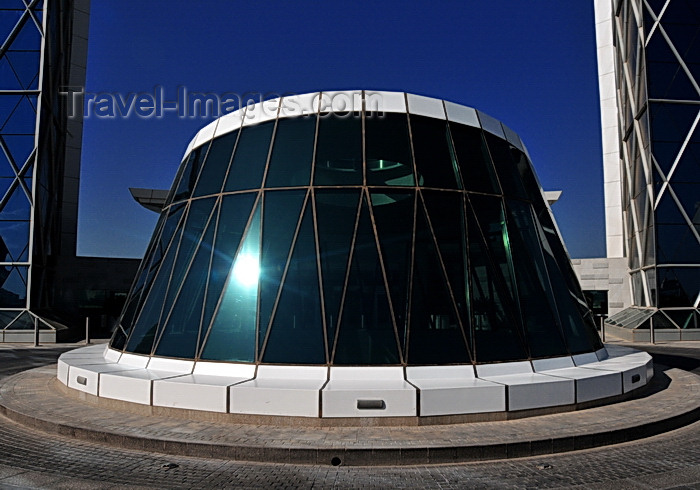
356, 239
658, 78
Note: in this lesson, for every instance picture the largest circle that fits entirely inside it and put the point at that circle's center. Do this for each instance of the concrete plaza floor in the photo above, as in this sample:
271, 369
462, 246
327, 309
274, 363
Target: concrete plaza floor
35, 459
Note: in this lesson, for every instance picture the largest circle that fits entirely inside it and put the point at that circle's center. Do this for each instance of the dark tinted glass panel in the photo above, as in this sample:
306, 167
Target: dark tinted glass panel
157, 253
446, 213
216, 165
689, 197
682, 318
497, 334
339, 151
129, 310
296, 333
670, 125
506, 166
151, 250
433, 151
180, 336
366, 333
151, 265
232, 334
665, 78
489, 212
190, 173
197, 218
527, 177
393, 216
14, 246
249, 160
434, 336
678, 286
292, 152
235, 211
17, 208
534, 292
573, 327
336, 214
556, 248
143, 333
474, 160
282, 213
688, 166
388, 150
676, 244
118, 339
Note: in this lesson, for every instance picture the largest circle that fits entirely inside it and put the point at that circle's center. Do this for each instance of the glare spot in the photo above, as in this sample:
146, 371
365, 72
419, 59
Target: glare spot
246, 271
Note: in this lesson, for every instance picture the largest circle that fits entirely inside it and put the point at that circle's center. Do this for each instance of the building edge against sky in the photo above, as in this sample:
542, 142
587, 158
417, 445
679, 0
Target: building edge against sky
649, 69
43, 53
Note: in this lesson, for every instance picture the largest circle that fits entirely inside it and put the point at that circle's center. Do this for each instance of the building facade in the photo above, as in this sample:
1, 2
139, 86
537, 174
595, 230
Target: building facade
43, 55
649, 74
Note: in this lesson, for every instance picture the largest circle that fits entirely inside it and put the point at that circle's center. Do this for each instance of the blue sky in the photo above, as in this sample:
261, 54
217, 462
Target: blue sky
530, 64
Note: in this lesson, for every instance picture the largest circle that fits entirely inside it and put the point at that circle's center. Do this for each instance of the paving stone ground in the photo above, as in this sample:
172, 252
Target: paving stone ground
32, 459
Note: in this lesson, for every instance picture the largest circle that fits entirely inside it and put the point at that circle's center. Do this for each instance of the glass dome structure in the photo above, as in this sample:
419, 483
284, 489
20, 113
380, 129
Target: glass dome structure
370, 229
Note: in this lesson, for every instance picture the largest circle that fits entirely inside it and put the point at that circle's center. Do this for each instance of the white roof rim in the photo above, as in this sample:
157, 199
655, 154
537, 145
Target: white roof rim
352, 100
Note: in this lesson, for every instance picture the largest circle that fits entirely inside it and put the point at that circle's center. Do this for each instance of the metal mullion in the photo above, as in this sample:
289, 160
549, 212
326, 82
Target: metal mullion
363, 136
687, 219
37, 124
511, 266
509, 257
36, 21
204, 162
384, 276
499, 281
292, 246
143, 268
272, 145
320, 276
21, 175
170, 277
18, 27
688, 73
347, 277
409, 299
317, 129
184, 277
468, 278
677, 160
416, 183
453, 151
251, 216
635, 224
259, 289
444, 271
19, 101
540, 237
167, 249
217, 210
8, 194
416, 188
674, 101
491, 161
233, 153
656, 19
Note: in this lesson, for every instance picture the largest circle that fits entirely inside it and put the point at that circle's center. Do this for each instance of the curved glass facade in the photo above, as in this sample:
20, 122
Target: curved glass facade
359, 238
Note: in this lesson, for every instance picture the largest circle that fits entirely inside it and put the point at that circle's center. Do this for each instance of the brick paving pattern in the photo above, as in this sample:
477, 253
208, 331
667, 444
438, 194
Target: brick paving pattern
32, 459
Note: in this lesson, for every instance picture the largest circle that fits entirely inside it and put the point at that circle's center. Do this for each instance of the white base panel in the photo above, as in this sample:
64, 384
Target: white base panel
528, 391
276, 397
194, 392
319, 391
